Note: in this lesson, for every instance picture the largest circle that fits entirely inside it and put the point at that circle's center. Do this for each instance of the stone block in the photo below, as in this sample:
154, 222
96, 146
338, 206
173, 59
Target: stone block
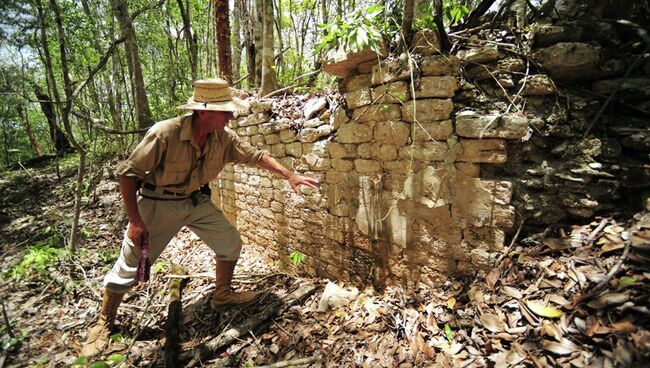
426, 42
367, 166
536, 85
354, 133
272, 138
355, 82
479, 55
341, 62
482, 150
427, 187
468, 169
358, 98
442, 86
544, 35
288, 135
424, 151
386, 152
316, 163
366, 67
440, 65
365, 150
309, 135
339, 164
398, 167
390, 93
313, 123
294, 149
571, 61
437, 130
338, 118
381, 112
247, 131
338, 150
257, 140
473, 125
394, 132
391, 71
255, 118
489, 238
500, 190
426, 110
278, 150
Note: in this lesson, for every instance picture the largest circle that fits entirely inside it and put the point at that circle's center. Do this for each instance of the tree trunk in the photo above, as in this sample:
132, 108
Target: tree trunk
268, 74
30, 133
249, 42
236, 39
59, 140
259, 40
222, 22
143, 113
407, 23
189, 37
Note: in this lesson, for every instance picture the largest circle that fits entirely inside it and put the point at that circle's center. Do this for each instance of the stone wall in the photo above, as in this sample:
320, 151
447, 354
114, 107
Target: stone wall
422, 172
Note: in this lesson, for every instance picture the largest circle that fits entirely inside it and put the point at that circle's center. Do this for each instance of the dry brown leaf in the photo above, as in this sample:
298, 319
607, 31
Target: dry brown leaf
492, 278
608, 300
564, 347
557, 244
593, 326
552, 330
559, 300
623, 326
513, 292
492, 322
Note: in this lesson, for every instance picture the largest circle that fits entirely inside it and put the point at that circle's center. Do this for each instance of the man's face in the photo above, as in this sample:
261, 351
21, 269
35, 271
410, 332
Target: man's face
216, 119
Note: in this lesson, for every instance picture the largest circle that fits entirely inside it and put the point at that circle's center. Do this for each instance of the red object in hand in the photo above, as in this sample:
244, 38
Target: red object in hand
144, 265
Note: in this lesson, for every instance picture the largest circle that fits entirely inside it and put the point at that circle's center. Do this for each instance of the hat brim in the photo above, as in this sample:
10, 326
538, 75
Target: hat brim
233, 105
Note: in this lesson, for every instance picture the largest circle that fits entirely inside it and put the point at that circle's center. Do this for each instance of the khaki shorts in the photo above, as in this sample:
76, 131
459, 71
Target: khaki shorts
163, 220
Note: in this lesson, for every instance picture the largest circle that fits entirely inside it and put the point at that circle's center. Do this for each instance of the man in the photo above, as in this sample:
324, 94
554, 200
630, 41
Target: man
160, 185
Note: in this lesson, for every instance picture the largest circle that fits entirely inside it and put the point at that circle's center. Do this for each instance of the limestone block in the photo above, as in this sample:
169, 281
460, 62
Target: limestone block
392, 71
381, 112
338, 118
398, 167
257, 140
272, 139
294, 149
629, 89
443, 86
335, 177
470, 124
505, 81
365, 150
313, 134
426, 110
426, 187
482, 259
288, 162
316, 163
277, 207
479, 203
386, 152
247, 131
489, 238
426, 42
546, 34
368, 211
255, 119
482, 150
479, 55
261, 105
571, 61
424, 151
338, 150
536, 85
340, 209
468, 169
278, 150
288, 135
367, 166
390, 93
340, 62
395, 132
314, 106
437, 130
440, 65
355, 82
266, 183
394, 183
339, 164
358, 98
366, 67
354, 133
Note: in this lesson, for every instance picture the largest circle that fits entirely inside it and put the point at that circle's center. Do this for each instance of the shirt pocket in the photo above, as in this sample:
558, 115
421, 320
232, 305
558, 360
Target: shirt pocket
212, 169
175, 172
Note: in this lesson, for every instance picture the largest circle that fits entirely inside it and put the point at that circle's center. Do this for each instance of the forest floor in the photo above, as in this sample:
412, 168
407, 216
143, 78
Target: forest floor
580, 300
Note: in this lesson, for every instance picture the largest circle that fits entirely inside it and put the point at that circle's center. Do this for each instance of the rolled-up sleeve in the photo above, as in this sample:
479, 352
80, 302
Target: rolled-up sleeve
144, 158
242, 152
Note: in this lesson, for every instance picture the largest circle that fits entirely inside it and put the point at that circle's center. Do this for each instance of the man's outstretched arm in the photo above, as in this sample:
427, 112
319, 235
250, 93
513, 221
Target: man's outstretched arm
137, 230
269, 163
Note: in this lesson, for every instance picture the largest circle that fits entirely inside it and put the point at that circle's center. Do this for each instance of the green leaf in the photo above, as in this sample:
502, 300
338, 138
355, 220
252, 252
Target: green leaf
542, 310
99, 364
82, 360
449, 334
627, 281
117, 358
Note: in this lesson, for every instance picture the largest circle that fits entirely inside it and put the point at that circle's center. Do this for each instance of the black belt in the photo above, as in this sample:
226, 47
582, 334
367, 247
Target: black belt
153, 188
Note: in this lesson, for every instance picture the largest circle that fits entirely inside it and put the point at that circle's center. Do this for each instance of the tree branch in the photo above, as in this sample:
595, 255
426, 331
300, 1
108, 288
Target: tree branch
97, 124
146, 8
99, 65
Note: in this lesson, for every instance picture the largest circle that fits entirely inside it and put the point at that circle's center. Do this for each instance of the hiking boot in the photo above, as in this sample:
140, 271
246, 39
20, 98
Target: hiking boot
223, 297
99, 336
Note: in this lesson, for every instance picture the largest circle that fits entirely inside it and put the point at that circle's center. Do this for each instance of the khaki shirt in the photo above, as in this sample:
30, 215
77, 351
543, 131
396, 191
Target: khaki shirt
167, 156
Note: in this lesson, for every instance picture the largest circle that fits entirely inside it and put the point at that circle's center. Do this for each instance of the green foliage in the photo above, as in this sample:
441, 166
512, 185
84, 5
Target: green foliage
296, 258
449, 334
38, 258
7, 341
453, 12
355, 33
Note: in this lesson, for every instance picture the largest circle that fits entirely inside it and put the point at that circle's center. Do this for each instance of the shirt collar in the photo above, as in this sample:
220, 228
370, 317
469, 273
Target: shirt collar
186, 127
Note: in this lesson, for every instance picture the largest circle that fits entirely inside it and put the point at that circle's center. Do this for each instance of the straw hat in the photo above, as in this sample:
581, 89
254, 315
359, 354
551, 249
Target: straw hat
214, 95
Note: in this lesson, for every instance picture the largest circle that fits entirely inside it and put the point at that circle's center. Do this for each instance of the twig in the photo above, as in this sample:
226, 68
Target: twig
512, 243
240, 79
27, 171
613, 271
596, 231
96, 123
611, 95
6, 319
278, 91
292, 362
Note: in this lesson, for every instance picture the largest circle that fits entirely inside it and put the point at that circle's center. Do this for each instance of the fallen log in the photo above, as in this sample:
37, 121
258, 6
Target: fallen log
174, 318
292, 363
229, 336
